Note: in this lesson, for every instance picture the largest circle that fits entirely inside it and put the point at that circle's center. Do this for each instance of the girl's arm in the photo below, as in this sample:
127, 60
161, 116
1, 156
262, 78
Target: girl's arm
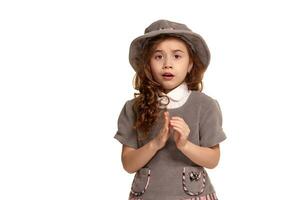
135, 159
207, 157
204, 156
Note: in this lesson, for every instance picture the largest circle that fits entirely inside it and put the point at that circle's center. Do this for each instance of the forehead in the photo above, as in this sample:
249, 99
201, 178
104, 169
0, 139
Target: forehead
171, 44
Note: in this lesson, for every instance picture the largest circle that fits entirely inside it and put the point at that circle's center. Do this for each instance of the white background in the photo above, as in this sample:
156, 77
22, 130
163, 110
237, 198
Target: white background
65, 75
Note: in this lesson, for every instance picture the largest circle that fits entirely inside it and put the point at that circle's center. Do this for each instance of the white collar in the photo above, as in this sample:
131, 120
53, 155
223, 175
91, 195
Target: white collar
179, 92
177, 96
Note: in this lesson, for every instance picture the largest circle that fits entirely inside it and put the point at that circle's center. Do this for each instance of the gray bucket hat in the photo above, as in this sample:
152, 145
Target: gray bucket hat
194, 40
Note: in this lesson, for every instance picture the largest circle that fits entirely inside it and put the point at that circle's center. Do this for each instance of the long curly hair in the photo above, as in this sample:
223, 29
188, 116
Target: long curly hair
146, 104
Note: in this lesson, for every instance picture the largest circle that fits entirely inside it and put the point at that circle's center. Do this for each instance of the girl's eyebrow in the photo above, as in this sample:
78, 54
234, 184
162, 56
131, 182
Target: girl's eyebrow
178, 50
174, 51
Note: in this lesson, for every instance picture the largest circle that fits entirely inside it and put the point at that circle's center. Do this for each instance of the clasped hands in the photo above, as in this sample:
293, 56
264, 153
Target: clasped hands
181, 132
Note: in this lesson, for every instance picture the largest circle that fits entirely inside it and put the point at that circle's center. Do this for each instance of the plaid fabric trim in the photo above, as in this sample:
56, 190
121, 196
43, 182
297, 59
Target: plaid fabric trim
185, 187
211, 196
143, 191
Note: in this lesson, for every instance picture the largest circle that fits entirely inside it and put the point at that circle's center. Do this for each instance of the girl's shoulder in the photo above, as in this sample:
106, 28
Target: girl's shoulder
205, 103
202, 98
128, 104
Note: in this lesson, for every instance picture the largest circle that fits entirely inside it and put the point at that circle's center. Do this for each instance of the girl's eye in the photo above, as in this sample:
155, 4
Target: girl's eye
177, 56
158, 57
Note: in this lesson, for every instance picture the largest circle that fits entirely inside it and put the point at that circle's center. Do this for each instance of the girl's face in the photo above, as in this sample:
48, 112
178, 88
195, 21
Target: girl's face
170, 63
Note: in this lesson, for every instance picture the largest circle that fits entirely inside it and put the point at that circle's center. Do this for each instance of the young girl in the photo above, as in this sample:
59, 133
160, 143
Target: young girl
170, 130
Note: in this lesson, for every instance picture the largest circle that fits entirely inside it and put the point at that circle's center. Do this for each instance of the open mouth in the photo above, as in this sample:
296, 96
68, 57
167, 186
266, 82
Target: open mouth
168, 75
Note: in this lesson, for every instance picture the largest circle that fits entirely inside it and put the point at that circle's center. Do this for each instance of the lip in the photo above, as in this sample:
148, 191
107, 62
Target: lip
167, 76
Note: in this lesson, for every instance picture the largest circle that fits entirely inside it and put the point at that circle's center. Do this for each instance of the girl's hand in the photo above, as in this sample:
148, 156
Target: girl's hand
160, 140
181, 131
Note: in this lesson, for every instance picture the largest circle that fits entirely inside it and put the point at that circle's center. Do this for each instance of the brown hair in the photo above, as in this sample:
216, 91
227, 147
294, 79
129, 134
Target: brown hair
146, 104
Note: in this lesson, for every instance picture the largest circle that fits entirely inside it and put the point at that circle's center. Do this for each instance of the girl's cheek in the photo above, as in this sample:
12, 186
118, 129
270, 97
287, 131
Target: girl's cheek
159, 62
155, 63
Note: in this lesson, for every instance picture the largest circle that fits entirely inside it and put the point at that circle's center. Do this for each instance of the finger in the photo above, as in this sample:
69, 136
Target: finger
167, 116
177, 119
178, 123
176, 135
175, 124
167, 119
178, 130
184, 130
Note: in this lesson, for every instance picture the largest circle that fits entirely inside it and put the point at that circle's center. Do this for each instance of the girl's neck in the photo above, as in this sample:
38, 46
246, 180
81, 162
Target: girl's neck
167, 91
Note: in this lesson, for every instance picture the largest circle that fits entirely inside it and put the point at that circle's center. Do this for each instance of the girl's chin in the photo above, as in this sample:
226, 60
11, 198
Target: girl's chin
169, 88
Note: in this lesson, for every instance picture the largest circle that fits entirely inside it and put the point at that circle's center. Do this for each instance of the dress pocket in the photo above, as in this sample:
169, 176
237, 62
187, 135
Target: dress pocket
193, 180
140, 182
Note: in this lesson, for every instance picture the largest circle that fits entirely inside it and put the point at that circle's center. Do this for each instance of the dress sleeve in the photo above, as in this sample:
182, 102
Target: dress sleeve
126, 134
211, 131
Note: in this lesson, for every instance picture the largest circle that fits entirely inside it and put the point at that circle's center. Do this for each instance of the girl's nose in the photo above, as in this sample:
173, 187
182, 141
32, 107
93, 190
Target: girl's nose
167, 63
167, 66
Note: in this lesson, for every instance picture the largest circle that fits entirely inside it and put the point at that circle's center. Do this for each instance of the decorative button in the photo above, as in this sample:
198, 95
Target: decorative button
194, 176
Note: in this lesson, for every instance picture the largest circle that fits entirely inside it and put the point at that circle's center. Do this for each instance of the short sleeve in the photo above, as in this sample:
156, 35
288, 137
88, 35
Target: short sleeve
126, 134
211, 131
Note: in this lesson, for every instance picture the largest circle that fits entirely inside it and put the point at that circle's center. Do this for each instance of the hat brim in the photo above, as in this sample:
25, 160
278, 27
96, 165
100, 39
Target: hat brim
195, 41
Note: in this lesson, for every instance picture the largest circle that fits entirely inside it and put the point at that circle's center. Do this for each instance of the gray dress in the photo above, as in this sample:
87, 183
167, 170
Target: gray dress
170, 175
